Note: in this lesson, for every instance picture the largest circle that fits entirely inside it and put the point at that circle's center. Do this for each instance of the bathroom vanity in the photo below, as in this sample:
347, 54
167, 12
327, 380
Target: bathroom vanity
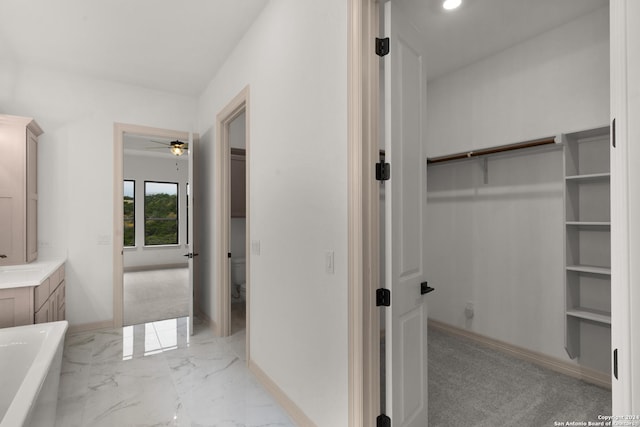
32, 293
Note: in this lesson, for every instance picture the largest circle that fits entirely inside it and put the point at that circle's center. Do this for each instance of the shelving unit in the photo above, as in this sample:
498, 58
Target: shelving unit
588, 245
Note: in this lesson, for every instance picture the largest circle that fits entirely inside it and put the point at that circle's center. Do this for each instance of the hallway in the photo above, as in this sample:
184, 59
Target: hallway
156, 374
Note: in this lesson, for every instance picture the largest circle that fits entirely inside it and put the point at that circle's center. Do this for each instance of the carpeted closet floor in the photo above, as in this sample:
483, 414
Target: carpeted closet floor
472, 385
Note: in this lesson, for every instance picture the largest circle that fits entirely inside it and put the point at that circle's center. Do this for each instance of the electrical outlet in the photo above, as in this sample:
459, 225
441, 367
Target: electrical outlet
468, 310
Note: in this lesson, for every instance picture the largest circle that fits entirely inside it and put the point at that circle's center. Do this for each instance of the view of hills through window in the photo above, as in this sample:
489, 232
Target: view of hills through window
129, 213
160, 213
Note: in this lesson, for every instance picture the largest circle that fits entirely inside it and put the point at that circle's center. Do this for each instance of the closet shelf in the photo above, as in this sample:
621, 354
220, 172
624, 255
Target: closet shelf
587, 238
590, 314
589, 177
606, 271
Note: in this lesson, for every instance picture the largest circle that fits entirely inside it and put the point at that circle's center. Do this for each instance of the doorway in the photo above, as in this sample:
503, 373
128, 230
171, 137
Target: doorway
506, 188
238, 222
153, 225
156, 273
232, 225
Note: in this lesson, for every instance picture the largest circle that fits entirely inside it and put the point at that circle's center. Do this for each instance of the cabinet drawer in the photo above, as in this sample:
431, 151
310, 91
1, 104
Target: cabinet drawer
54, 280
56, 277
42, 293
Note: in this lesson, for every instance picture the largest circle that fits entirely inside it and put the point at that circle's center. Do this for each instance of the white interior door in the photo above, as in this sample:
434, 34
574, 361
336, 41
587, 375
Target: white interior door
192, 246
406, 322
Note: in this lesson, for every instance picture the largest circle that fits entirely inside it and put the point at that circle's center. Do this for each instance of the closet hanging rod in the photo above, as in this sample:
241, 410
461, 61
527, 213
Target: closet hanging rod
494, 150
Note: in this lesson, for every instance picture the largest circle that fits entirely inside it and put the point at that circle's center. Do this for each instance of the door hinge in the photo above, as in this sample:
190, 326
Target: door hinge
383, 171
382, 46
383, 297
383, 421
615, 363
613, 133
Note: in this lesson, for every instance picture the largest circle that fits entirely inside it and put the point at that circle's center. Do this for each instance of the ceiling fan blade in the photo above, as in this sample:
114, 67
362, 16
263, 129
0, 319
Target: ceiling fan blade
166, 144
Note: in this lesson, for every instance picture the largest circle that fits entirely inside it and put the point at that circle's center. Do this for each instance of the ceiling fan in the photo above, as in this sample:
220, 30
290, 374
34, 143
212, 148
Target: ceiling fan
176, 147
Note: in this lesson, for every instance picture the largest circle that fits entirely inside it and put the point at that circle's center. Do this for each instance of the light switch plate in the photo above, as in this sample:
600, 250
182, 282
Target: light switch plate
255, 247
329, 262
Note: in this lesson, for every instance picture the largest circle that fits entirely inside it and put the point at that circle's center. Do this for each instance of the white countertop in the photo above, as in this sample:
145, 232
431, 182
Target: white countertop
32, 274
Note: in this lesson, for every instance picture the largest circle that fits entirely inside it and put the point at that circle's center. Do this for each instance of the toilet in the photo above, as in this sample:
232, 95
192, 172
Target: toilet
238, 280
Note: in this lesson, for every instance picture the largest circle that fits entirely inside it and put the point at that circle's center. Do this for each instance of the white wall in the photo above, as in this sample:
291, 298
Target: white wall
142, 168
294, 58
556, 82
499, 244
76, 169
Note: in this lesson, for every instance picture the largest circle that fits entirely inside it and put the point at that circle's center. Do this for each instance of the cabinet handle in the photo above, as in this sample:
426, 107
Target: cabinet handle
3, 256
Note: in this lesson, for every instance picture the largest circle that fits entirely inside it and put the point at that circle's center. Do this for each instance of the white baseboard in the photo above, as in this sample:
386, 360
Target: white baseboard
296, 414
586, 374
93, 326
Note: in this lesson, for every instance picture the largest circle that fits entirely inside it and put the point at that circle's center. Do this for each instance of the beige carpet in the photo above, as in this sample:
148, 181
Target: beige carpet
155, 295
471, 385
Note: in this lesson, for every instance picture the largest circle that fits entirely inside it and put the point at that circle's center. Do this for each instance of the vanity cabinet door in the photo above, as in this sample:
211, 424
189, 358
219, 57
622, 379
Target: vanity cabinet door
31, 230
42, 315
60, 301
18, 189
16, 307
50, 298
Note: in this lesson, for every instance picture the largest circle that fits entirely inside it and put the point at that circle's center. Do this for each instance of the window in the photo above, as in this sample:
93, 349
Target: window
160, 213
129, 213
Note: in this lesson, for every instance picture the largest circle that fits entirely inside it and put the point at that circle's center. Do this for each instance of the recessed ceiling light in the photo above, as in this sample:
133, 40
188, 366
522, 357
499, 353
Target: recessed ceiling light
451, 4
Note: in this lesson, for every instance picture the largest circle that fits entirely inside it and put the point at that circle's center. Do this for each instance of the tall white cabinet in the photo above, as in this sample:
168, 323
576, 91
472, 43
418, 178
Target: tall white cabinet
588, 247
18, 189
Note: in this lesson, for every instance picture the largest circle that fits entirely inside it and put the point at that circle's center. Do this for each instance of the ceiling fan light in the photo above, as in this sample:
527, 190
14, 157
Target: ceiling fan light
176, 147
451, 4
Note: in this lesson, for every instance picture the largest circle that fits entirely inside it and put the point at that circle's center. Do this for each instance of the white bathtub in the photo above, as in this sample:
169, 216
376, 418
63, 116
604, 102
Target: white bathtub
30, 361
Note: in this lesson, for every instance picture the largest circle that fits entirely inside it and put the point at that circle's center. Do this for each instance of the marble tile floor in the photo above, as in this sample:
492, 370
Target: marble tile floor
156, 374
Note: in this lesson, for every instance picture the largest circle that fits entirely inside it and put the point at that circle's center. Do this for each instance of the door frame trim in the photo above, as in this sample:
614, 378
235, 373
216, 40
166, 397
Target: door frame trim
119, 130
222, 212
363, 213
